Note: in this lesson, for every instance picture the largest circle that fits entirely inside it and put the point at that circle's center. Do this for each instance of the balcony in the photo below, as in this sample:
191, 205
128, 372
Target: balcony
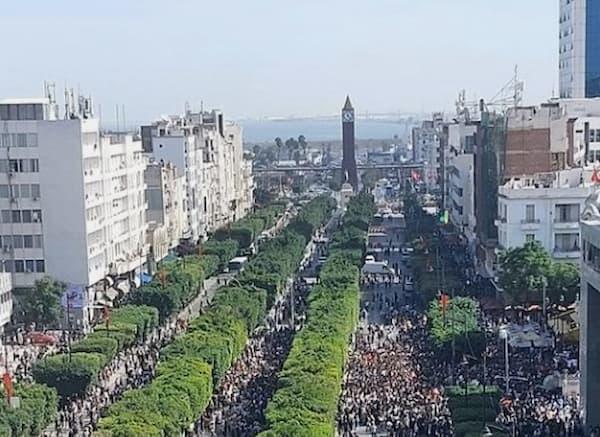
530, 224
566, 253
572, 224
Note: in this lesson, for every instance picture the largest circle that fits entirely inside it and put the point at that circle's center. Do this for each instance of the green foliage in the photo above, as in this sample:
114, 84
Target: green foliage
69, 376
225, 250
197, 360
305, 402
72, 376
246, 230
523, 271
41, 304
471, 409
38, 409
460, 318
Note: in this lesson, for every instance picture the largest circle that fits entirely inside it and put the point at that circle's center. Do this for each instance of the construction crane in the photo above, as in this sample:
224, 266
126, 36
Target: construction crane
509, 96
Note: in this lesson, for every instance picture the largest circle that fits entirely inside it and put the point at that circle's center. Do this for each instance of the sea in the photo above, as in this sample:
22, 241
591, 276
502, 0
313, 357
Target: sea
317, 129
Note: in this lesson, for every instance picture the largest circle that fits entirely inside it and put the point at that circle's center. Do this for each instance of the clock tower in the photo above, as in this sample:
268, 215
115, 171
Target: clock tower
349, 172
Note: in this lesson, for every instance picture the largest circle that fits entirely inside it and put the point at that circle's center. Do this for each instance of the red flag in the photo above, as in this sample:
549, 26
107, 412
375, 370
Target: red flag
416, 177
444, 301
8, 385
595, 177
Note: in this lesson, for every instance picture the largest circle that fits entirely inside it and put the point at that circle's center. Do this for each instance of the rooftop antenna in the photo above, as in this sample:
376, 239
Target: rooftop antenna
66, 103
124, 118
117, 107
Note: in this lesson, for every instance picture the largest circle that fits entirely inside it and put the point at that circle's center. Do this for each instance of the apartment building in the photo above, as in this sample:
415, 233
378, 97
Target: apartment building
208, 154
165, 213
546, 208
426, 146
71, 198
579, 48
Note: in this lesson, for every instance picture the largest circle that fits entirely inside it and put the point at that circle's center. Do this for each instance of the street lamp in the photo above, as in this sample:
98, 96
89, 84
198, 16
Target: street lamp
503, 333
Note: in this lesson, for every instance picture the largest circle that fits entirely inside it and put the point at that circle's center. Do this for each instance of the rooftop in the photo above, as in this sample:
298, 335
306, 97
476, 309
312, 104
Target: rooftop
25, 101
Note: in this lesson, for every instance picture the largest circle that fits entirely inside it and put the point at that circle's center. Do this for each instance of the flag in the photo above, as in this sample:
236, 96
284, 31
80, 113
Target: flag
415, 176
8, 385
595, 176
444, 301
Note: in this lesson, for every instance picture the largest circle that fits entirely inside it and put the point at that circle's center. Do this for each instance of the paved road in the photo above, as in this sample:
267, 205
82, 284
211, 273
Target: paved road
119, 375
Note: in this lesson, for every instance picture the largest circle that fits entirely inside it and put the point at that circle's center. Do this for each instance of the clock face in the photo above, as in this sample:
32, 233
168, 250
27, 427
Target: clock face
348, 116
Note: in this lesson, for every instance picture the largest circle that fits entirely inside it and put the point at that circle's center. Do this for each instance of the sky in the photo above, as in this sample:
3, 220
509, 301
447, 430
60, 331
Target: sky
258, 58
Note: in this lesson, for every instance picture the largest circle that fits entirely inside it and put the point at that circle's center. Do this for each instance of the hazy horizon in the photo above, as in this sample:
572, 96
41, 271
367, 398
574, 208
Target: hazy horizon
278, 59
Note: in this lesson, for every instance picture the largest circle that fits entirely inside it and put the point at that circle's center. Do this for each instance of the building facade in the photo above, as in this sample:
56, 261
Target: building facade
207, 153
165, 213
544, 208
71, 198
579, 48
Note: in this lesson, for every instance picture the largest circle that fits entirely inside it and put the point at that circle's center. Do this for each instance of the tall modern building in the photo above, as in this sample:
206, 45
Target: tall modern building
348, 143
71, 198
579, 48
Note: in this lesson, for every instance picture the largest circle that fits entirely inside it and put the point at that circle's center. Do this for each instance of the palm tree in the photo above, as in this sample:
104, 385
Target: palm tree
279, 145
303, 144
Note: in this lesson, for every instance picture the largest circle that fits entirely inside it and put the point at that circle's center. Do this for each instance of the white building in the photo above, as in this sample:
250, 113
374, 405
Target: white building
544, 208
426, 149
208, 154
71, 199
6, 301
579, 48
165, 214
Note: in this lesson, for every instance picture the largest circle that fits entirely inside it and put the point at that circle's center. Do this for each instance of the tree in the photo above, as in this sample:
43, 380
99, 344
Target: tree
563, 283
303, 144
41, 304
279, 145
291, 145
297, 156
523, 271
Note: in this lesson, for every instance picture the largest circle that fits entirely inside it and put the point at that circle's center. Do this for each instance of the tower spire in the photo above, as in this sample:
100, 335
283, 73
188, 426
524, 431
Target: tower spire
348, 104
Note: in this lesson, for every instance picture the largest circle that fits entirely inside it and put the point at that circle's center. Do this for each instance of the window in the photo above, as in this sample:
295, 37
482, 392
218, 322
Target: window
566, 242
37, 215
3, 166
16, 216
14, 191
529, 238
5, 140
35, 191
30, 266
567, 213
26, 214
39, 266
34, 165
28, 241
4, 191
38, 242
6, 218
15, 165
19, 266
17, 241
32, 140
25, 192
21, 140
530, 213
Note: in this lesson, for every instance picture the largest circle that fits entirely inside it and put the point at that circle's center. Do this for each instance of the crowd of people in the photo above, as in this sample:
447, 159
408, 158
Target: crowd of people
385, 390
131, 368
238, 405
